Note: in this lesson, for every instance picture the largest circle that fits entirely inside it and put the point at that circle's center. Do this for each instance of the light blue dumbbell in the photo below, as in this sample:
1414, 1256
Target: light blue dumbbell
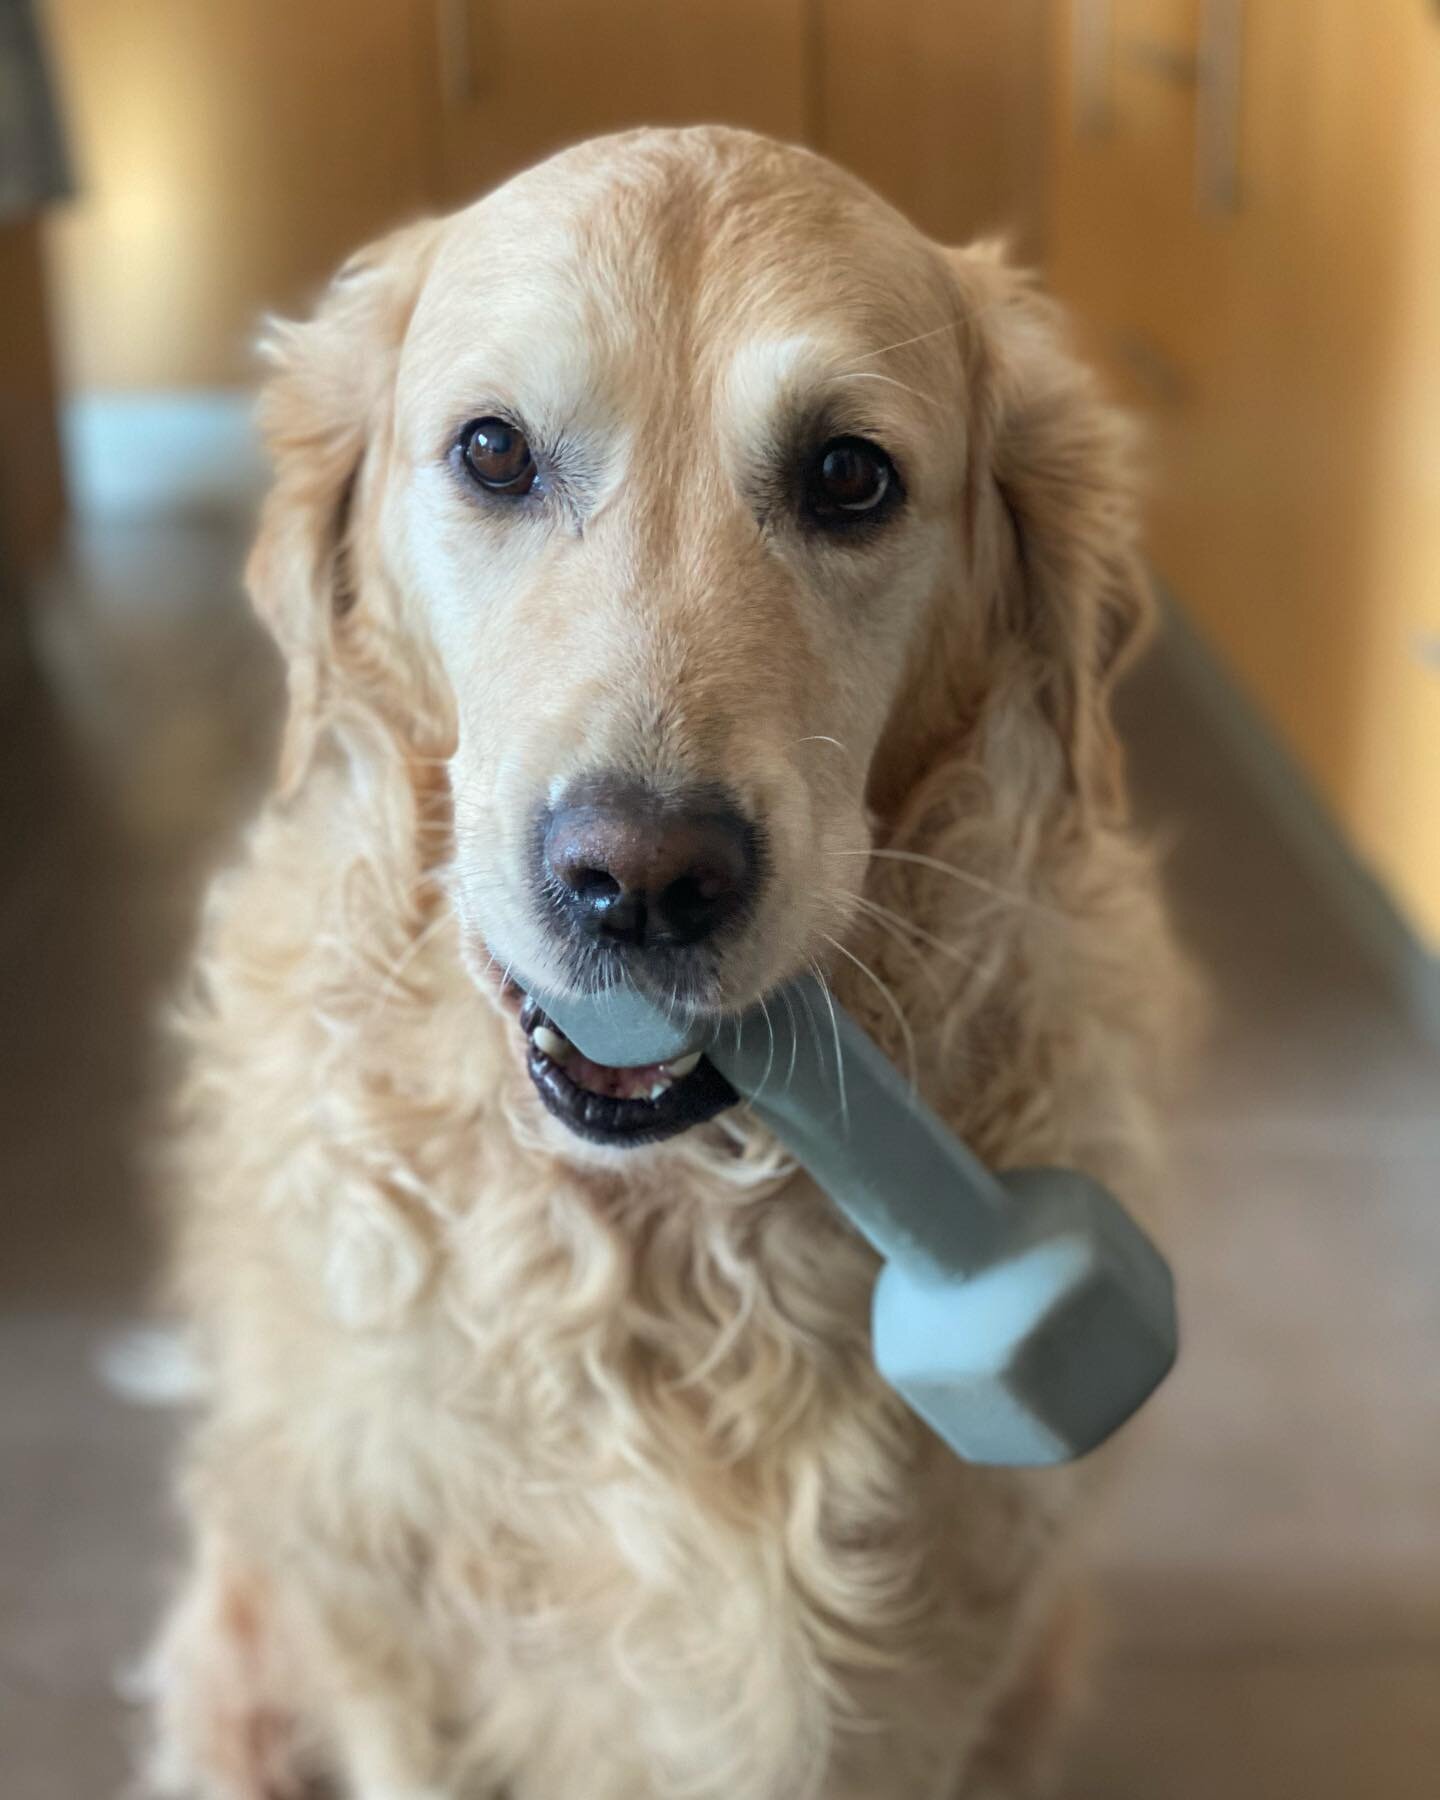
1023, 1316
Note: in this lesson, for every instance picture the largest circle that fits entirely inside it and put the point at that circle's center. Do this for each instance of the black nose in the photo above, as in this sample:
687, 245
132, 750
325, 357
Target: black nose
629, 866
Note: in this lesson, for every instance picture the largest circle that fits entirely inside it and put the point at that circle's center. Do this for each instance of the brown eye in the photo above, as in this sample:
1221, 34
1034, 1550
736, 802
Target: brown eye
849, 478
498, 456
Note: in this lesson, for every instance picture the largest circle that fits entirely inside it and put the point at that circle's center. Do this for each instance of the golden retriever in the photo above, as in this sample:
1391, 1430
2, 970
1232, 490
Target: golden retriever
686, 572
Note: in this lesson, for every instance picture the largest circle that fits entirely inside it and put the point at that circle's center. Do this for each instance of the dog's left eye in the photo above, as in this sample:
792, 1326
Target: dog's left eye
497, 455
848, 479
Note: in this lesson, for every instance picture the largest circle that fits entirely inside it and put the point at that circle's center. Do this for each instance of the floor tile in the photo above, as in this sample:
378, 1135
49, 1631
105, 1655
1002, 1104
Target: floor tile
1285, 1729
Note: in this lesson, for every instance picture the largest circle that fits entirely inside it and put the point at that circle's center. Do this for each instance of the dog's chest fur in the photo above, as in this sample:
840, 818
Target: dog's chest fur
558, 1433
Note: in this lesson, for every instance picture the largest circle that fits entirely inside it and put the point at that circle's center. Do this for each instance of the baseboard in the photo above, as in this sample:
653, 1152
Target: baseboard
135, 455
1408, 964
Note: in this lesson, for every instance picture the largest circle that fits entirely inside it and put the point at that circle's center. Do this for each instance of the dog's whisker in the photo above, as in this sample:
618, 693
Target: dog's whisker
892, 924
794, 1037
890, 381
978, 882
770, 1059
897, 923
813, 1022
839, 1053
390, 983
920, 337
906, 1034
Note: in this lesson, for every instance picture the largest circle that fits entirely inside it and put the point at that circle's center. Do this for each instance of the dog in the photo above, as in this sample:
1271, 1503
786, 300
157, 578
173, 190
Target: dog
687, 574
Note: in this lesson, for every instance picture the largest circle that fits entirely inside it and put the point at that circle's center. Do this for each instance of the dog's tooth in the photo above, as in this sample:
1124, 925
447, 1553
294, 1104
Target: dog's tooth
660, 1087
549, 1040
682, 1066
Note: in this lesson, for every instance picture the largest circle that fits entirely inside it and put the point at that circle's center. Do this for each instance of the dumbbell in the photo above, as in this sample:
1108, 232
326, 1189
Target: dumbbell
1024, 1316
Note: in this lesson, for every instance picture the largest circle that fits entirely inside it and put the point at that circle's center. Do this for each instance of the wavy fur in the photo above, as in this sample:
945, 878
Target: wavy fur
529, 1475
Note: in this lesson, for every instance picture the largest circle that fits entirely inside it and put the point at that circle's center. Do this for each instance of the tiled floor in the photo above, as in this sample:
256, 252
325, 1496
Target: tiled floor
1274, 1565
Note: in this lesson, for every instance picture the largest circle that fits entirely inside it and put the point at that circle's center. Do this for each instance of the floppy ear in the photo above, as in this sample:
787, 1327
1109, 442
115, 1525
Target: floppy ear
324, 408
1053, 515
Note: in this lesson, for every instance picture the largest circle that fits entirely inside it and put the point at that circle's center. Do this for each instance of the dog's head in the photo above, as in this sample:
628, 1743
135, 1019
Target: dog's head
687, 504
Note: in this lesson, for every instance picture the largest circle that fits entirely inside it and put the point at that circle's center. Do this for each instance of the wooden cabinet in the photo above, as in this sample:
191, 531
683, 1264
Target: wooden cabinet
515, 79
1284, 343
940, 104
231, 154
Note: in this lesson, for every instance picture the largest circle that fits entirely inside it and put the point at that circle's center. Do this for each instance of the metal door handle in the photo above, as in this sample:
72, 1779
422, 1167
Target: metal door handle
456, 39
1090, 40
1217, 106
1169, 62
1152, 367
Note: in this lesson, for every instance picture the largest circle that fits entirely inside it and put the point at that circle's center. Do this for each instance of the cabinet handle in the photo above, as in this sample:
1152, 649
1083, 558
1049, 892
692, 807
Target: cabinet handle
1217, 108
1167, 61
1153, 368
1090, 44
455, 31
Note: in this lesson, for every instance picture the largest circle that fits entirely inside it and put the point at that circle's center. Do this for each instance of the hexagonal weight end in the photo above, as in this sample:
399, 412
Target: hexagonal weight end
1034, 1361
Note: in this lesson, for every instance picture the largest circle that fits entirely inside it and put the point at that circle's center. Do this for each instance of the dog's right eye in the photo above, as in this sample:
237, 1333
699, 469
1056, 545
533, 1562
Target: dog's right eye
850, 481
497, 456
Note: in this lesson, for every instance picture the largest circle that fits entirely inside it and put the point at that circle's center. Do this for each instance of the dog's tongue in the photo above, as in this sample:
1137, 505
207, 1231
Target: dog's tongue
648, 1082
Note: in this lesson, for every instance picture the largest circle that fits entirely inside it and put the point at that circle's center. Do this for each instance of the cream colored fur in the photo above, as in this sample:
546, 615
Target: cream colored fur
545, 1472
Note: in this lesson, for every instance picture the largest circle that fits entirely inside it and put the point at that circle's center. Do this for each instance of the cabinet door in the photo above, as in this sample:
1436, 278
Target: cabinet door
1287, 354
229, 156
516, 79
940, 105
1130, 246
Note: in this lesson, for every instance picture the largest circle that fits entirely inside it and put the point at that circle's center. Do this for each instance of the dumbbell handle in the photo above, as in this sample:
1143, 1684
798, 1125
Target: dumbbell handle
848, 1115
845, 1112
837, 1104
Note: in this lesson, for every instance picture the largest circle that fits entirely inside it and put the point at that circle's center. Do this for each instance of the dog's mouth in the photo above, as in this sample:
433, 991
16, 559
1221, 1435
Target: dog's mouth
619, 1107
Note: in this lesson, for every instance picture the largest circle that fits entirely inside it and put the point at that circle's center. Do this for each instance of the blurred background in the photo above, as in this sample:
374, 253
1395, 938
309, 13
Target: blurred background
1240, 202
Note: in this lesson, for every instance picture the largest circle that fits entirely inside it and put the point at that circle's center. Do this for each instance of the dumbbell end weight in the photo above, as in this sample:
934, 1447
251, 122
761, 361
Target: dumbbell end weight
1044, 1355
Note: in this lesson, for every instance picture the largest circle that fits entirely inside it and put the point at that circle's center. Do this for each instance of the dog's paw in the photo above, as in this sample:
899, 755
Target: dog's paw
222, 1696
249, 1757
